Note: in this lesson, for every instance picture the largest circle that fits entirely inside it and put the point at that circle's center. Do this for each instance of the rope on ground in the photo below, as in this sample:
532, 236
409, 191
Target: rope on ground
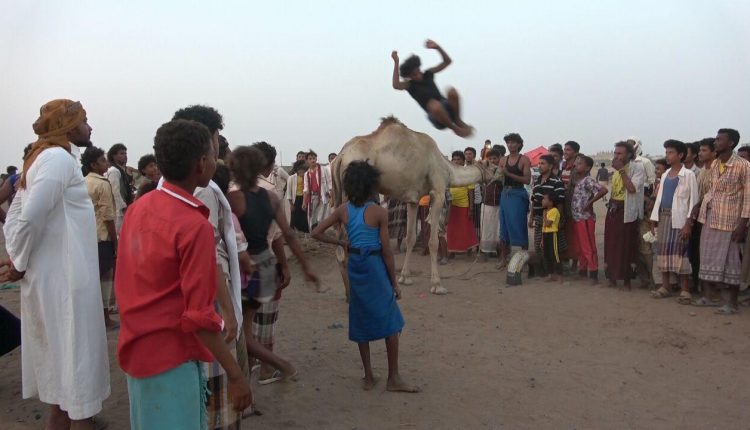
462, 275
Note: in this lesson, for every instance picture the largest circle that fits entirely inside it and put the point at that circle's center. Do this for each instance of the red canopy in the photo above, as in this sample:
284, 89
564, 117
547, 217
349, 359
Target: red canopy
535, 153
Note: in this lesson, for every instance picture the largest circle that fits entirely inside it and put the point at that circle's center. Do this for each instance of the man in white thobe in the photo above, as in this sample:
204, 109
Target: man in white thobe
52, 246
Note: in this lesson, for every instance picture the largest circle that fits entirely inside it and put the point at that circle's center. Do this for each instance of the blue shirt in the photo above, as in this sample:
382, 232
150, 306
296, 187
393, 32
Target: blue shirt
669, 185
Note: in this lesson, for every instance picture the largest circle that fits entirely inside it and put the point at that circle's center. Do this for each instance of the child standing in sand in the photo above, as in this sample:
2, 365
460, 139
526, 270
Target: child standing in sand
551, 226
585, 193
373, 311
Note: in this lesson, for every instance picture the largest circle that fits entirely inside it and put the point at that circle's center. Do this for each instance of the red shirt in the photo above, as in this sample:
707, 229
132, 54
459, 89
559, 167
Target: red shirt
165, 282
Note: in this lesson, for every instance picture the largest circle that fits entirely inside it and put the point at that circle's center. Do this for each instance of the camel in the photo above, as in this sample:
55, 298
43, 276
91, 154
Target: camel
412, 166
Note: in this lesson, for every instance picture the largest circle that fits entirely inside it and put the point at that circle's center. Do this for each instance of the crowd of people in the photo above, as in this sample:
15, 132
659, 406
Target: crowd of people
185, 255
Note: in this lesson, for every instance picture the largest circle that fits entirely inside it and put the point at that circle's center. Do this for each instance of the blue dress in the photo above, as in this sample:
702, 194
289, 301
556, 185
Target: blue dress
373, 311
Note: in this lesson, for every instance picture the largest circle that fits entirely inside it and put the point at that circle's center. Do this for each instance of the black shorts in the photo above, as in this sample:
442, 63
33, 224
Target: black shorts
439, 125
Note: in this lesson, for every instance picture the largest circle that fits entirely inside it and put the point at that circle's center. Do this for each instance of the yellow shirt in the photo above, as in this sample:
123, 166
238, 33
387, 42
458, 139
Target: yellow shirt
722, 168
300, 185
618, 187
554, 216
460, 196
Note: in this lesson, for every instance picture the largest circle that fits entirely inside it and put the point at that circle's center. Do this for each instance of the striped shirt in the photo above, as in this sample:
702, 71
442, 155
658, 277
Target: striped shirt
729, 195
552, 185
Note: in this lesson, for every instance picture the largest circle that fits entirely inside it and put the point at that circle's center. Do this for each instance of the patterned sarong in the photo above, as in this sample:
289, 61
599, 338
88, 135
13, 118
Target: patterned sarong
672, 251
720, 257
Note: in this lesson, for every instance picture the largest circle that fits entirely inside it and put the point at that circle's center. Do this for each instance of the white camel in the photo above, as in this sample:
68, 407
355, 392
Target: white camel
412, 166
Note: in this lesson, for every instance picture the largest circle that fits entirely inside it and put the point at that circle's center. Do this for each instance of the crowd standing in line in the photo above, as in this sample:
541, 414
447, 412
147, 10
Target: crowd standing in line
86, 238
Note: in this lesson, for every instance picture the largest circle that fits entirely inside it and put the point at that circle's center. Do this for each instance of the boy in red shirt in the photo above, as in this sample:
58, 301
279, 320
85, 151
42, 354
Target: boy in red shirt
166, 285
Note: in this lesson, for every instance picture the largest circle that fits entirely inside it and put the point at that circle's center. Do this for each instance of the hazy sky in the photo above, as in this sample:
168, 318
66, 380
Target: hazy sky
314, 74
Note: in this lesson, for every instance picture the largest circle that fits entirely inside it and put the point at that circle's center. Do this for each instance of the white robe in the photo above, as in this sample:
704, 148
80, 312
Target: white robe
221, 219
51, 234
277, 182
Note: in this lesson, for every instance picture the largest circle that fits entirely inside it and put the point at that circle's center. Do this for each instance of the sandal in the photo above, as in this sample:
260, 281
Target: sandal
685, 298
726, 310
275, 377
705, 303
661, 293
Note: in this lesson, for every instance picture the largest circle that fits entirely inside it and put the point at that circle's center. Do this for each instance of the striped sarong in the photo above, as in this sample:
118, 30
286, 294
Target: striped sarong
219, 410
396, 219
672, 252
720, 257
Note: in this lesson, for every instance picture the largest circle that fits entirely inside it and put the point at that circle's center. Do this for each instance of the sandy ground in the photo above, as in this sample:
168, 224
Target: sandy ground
538, 356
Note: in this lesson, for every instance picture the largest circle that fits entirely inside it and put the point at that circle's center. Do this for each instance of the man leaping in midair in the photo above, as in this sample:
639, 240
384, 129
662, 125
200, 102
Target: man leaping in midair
442, 113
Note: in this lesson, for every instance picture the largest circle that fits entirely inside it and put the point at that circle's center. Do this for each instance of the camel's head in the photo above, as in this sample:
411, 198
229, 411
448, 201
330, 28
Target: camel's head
490, 172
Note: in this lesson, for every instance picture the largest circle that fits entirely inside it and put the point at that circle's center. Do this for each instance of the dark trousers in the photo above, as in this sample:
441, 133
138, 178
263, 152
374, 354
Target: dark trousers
10, 331
551, 253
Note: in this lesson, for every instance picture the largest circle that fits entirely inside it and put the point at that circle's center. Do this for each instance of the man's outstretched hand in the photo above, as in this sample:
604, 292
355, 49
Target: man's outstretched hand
394, 55
431, 44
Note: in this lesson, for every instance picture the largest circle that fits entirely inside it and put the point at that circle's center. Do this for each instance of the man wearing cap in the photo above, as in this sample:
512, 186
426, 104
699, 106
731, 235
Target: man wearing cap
52, 245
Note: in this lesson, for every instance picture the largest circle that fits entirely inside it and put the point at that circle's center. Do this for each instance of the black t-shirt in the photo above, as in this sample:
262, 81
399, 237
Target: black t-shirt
424, 90
602, 174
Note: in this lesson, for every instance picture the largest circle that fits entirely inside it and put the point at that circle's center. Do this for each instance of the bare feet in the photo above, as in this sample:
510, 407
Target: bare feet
396, 385
463, 131
368, 383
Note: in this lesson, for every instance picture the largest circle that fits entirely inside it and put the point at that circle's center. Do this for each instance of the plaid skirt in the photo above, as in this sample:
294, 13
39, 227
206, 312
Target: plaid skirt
720, 257
264, 323
396, 219
672, 252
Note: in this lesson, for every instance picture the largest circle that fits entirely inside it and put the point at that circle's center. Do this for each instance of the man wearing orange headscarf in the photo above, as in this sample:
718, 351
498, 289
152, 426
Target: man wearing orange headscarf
51, 240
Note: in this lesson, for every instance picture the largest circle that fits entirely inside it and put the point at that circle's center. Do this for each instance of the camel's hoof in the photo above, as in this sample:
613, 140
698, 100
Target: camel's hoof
405, 281
439, 290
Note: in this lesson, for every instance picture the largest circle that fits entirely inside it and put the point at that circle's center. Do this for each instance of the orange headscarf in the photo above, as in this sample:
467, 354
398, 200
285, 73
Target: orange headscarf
56, 119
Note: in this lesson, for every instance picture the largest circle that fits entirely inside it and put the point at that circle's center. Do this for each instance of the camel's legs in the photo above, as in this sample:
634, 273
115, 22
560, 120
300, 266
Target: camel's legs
411, 238
436, 208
